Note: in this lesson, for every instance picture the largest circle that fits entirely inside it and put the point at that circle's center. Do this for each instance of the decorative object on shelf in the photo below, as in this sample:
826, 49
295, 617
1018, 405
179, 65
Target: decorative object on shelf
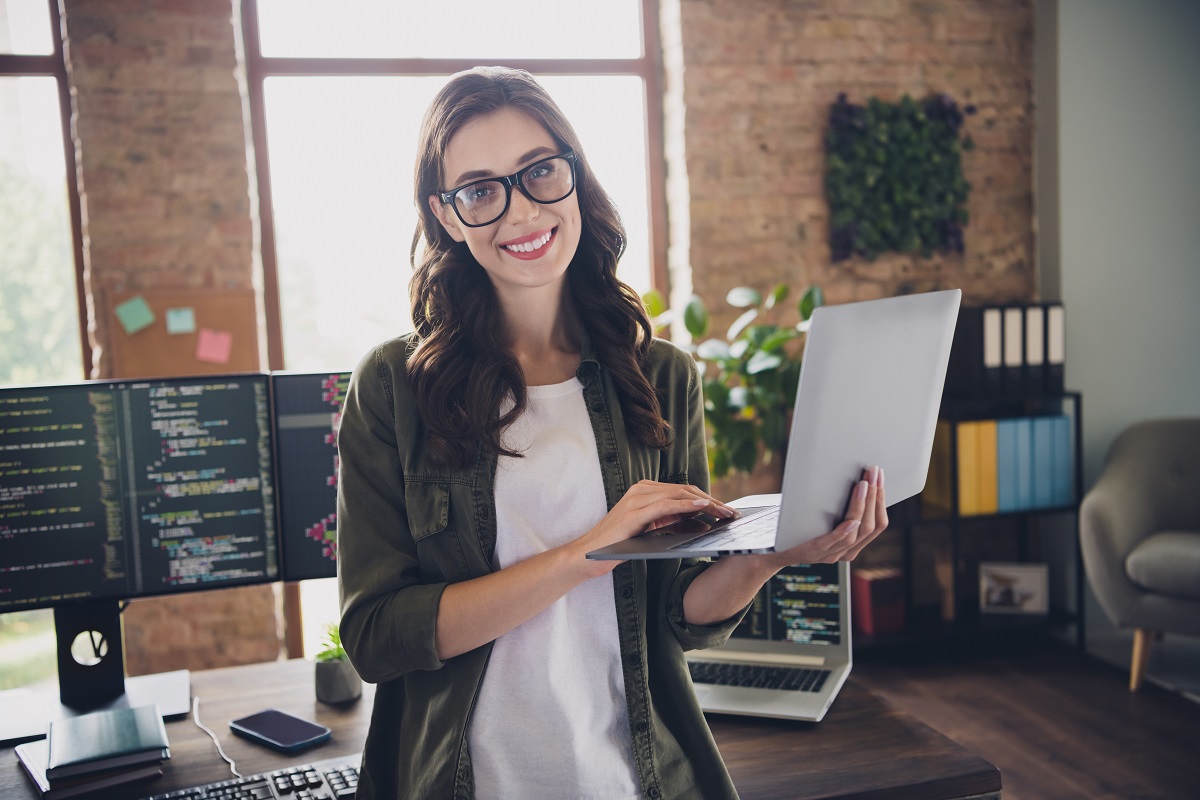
749, 376
894, 178
1006, 588
336, 680
877, 594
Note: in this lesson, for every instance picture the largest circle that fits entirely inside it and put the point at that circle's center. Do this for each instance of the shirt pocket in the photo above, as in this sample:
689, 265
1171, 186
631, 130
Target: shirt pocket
439, 548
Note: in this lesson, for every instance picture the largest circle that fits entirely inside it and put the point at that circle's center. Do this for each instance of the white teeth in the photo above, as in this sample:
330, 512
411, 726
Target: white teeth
529, 247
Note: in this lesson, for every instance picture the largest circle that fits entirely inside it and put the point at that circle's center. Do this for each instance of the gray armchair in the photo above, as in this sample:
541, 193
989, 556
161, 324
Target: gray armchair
1140, 534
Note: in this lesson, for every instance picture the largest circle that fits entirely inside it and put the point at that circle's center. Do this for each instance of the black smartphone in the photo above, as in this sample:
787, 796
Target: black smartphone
280, 730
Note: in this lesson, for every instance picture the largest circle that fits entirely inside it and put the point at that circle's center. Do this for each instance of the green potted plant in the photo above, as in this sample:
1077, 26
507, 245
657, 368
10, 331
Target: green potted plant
750, 374
336, 680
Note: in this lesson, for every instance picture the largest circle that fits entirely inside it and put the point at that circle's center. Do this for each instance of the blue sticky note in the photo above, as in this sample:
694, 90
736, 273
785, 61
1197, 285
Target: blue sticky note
134, 314
181, 320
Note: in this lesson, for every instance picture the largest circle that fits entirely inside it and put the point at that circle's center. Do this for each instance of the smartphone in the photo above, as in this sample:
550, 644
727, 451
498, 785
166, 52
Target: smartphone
280, 730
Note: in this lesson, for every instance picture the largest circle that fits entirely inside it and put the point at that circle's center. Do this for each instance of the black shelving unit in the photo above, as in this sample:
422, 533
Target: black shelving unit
912, 515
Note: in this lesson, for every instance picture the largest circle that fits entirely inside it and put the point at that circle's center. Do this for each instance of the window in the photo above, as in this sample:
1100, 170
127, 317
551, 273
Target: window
40, 329
336, 102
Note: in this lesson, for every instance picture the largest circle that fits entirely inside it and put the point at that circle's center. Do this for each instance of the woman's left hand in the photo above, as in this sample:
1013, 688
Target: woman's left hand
866, 518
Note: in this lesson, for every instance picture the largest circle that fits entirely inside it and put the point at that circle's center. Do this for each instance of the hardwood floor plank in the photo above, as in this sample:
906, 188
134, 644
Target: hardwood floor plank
1058, 724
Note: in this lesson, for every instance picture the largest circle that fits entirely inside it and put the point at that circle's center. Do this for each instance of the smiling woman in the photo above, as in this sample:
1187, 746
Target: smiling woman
335, 101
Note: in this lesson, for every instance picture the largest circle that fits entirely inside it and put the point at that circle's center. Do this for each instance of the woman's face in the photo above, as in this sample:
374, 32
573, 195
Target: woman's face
532, 244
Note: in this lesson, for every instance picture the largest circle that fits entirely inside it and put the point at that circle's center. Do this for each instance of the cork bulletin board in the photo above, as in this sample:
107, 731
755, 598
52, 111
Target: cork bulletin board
167, 333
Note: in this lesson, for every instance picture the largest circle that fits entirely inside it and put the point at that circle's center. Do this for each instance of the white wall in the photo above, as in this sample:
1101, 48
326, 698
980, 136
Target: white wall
1128, 117
1118, 214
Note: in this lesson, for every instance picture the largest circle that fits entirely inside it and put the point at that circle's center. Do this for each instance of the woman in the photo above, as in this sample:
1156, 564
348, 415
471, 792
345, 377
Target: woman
529, 419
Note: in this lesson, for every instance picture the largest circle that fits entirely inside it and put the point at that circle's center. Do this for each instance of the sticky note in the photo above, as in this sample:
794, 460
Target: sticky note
134, 314
214, 346
181, 320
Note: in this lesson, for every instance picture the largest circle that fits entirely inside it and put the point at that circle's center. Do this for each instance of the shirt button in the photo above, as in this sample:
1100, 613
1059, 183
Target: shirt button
643, 727
610, 457
627, 592
654, 792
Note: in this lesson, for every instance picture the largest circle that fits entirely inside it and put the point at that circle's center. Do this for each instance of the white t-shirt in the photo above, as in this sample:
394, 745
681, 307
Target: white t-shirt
550, 719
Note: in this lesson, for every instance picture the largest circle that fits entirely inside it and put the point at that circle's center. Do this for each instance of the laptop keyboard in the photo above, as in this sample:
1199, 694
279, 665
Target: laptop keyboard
758, 676
320, 780
741, 532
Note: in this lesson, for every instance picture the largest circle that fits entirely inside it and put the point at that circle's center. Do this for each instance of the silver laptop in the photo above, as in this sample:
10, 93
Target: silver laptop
791, 654
869, 393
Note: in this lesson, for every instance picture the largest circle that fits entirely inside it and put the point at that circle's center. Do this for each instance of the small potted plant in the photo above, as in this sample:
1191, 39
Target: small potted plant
337, 682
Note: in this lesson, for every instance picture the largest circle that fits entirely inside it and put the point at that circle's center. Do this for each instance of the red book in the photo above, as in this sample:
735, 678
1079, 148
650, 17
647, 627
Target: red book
877, 600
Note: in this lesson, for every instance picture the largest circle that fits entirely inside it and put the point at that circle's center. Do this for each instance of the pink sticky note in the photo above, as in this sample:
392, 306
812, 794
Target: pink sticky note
214, 346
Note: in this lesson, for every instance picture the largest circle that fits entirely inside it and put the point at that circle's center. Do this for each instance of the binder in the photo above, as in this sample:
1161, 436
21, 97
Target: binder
1035, 349
968, 468
1007, 478
1064, 466
1043, 462
1055, 348
1024, 465
986, 450
976, 355
1014, 351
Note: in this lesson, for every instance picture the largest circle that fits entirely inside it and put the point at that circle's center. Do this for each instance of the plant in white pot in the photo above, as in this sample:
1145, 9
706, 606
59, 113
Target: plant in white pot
337, 682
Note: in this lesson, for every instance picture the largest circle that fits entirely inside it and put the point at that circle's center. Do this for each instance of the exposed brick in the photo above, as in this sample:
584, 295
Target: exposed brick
755, 130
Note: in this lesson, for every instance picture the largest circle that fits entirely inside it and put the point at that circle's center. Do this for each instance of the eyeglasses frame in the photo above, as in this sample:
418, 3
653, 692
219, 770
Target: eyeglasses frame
509, 181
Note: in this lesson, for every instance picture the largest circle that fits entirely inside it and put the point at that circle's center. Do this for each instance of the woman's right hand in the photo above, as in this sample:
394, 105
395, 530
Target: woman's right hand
646, 506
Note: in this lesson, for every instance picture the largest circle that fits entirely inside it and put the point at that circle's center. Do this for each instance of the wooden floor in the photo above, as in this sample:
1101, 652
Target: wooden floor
1057, 723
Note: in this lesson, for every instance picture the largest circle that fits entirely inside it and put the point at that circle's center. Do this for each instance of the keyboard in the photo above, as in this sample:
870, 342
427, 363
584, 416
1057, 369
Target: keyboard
759, 676
331, 779
755, 531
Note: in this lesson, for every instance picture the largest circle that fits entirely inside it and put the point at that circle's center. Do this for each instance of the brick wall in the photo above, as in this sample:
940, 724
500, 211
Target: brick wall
161, 148
160, 136
754, 80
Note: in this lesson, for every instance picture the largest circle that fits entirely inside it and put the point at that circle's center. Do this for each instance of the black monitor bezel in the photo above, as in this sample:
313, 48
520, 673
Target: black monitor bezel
271, 510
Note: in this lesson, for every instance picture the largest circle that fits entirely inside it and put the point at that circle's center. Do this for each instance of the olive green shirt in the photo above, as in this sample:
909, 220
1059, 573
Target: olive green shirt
407, 529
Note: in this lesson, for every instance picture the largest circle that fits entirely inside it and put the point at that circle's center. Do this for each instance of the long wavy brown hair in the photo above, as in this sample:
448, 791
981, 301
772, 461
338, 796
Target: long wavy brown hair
460, 371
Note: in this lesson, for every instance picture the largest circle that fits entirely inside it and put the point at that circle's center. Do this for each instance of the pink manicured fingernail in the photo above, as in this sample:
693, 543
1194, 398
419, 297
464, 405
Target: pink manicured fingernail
860, 492
881, 477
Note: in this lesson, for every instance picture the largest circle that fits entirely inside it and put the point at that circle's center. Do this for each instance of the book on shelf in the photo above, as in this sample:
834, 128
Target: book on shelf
1001, 465
33, 758
877, 600
105, 740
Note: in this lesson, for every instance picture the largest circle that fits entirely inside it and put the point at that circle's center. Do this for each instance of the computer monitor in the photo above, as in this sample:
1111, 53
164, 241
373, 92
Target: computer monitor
307, 407
112, 490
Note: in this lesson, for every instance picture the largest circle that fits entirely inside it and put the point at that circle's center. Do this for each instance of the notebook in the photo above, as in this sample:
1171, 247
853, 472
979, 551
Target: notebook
792, 653
869, 392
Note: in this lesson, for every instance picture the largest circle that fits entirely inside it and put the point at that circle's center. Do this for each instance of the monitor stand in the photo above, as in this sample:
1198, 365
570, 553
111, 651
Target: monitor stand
91, 676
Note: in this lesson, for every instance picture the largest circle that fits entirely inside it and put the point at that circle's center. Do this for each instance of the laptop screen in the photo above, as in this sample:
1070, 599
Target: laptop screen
801, 605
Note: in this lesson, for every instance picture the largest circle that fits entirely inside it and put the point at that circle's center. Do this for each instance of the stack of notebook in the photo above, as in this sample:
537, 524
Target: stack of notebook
96, 751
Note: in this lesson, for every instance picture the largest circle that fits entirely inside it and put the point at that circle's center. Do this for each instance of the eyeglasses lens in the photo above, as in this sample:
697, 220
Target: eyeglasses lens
485, 202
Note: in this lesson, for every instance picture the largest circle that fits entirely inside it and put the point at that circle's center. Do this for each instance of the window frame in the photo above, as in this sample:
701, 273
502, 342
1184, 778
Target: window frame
20, 65
648, 67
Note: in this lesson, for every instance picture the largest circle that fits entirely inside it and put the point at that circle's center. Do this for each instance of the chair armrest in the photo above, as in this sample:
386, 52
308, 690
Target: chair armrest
1115, 515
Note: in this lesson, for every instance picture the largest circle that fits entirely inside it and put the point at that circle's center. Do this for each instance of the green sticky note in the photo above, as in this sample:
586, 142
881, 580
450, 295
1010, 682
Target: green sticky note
181, 320
134, 314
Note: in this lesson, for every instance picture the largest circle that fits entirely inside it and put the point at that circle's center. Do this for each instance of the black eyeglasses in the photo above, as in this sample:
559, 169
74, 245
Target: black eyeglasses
483, 202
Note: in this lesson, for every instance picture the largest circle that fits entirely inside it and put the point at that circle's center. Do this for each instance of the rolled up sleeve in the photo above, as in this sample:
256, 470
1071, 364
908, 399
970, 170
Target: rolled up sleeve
388, 612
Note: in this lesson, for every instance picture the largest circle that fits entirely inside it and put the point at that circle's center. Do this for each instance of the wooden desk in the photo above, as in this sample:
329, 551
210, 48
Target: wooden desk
863, 749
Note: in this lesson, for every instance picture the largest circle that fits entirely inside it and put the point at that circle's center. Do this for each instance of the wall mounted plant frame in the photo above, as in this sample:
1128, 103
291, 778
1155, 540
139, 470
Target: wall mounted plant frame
894, 178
